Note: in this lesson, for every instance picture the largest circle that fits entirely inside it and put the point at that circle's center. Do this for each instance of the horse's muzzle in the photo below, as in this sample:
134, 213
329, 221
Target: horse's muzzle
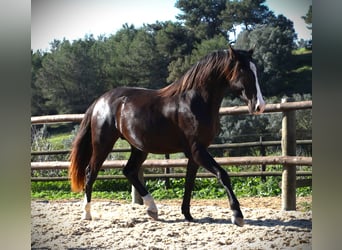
259, 109
259, 106
256, 109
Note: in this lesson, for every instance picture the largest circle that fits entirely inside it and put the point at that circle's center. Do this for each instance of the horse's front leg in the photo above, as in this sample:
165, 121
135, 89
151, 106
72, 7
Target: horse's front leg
189, 186
203, 158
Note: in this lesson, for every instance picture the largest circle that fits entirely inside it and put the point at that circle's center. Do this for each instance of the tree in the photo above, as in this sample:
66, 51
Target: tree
69, 79
308, 18
136, 61
173, 39
117, 50
37, 98
149, 66
248, 13
202, 16
218, 42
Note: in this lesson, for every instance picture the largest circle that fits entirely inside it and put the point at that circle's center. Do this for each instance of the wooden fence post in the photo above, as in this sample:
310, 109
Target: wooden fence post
136, 198
288, 144
263, 153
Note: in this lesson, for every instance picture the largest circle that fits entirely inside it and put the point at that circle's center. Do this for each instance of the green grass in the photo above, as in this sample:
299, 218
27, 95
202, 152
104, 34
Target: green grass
58, 138
301, 51
60, 141
205, 188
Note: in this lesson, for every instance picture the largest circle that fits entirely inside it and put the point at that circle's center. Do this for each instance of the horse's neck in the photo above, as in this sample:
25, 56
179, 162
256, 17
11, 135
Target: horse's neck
214, 97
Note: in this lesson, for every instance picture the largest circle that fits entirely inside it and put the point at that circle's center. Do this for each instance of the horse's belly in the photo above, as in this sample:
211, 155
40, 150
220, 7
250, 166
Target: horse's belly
157, 144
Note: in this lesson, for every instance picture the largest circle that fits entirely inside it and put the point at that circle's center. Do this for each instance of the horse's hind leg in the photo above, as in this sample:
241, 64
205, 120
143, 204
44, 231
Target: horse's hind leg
131, 171
102, 145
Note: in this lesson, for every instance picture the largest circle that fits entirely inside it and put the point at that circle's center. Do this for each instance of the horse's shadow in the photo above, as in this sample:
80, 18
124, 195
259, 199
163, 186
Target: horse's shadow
299, 223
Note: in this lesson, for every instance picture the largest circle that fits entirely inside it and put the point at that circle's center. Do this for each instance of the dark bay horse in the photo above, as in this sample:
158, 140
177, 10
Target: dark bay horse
182, 117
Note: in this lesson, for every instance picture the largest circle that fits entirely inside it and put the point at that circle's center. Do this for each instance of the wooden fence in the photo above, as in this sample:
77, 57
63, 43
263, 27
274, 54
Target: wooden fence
289, 160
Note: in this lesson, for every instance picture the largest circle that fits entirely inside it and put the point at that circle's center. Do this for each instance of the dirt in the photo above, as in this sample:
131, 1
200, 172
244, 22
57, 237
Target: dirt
120, 225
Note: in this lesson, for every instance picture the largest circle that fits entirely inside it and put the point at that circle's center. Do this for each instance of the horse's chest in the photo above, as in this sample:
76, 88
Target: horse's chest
203, 126
198, 119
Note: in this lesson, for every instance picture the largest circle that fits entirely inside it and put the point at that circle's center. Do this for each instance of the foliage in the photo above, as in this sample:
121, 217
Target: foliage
247, 13
39, 142
69, 75
308, 18
202, 16
136, 62
173, 40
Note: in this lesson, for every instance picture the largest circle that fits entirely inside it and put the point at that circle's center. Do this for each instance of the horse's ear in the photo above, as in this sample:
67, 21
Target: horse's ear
231, 51
251, 50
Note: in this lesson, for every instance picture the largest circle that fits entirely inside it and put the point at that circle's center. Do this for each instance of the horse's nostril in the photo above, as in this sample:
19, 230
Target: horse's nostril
259, 109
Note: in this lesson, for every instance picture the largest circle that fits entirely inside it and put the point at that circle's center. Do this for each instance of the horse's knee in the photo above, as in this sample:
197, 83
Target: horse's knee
128, 172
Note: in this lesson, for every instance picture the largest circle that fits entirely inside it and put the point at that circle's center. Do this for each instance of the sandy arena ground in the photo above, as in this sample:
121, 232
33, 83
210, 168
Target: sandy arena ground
119, 225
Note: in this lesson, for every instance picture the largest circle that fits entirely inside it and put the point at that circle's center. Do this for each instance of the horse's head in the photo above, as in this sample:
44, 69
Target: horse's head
244, 80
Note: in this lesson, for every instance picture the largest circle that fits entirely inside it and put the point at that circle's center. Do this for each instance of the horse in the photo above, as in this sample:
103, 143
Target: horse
181, 117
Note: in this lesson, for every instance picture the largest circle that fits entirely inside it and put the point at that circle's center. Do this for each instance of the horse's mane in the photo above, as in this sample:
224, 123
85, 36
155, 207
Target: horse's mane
219, 63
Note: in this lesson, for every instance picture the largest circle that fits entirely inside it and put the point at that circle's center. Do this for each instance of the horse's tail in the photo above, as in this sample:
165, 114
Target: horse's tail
81, 153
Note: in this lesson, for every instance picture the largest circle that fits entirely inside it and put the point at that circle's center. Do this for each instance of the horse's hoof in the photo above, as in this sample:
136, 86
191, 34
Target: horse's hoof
238, 221
152, 214
86, 217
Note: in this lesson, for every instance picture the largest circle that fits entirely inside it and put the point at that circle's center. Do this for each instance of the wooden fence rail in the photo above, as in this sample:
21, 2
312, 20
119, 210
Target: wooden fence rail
238, 110
212, 146
270, 108
179, 175
172, 163
288, 158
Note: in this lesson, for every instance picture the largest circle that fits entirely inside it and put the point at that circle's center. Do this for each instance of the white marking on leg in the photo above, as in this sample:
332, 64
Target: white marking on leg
151, 206
260, 101
102, 111
238, 221
86, 209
